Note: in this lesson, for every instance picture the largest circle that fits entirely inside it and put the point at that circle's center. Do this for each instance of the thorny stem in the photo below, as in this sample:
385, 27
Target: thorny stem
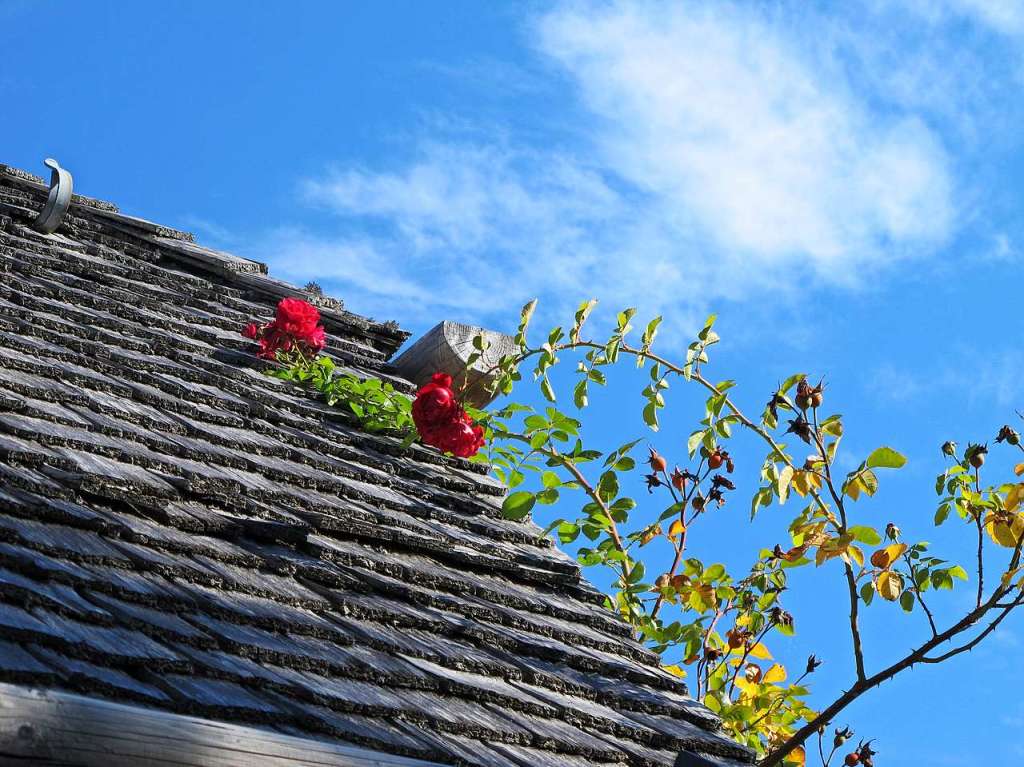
746, 654
981, 539
681, 547
851, 580
920, 655
917, 593
573, 469
863, 682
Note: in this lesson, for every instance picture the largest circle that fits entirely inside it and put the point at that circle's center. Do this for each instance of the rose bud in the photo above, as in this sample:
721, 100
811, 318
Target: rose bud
678, 480
800, 428
817, 395
975, 455
812, 664
657, 462
653, 481
1006, 434
949, 448
803, 394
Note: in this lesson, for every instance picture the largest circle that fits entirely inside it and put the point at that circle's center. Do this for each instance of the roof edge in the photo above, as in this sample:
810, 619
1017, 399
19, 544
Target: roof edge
39, 726
236, 271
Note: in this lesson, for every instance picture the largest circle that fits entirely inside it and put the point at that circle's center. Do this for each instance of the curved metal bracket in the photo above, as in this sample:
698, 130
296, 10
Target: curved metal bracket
57, 202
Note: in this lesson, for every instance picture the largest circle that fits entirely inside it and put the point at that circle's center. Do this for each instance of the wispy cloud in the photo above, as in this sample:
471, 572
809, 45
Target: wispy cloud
716, 151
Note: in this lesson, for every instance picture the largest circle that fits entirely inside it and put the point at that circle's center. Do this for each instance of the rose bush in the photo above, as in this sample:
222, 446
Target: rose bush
295, 337
709, 626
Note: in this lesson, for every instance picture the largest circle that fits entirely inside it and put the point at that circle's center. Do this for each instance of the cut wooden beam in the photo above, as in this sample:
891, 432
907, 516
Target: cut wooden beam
446, 348
46, 727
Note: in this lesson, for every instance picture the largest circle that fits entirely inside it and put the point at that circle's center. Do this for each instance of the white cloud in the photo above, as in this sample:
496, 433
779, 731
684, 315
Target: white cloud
724, 114
720, 148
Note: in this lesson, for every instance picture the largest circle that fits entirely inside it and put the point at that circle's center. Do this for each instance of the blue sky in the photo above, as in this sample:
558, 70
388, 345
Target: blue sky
840, 182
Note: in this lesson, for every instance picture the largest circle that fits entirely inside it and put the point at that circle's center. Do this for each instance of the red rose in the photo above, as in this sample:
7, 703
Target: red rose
297, 317
296, 323
462, 438
441, 421
435, 404
316, 339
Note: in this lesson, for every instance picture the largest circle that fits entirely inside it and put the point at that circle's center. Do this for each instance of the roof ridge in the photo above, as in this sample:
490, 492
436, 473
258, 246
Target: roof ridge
180, 246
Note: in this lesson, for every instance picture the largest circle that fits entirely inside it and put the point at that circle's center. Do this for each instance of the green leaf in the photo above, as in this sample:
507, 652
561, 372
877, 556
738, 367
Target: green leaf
545, 387
579, 394
651, 415
866, 535
907, 601
608, 486
548, 496
885, 458
867, 593
790, 382
550, 479
715, 572
956, 571
517, 505
694, 441
625, 464
568, 532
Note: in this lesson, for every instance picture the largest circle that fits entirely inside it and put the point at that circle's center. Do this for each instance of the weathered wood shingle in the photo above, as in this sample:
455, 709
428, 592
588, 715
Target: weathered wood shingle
180, 531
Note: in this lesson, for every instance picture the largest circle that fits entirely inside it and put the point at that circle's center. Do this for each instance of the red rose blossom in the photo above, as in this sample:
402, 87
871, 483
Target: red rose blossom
295, 325
441, 421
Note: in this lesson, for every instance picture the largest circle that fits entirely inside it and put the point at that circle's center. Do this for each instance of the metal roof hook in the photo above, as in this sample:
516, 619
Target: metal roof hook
57, 202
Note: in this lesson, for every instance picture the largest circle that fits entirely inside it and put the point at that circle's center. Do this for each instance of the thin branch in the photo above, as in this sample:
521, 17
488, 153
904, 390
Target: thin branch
861, 686
981, 538
851, 580
974, 642
918, 594
746, 654
573, 469
681, 547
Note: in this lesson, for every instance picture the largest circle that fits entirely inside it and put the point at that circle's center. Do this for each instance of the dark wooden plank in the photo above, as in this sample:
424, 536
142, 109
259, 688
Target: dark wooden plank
49, 728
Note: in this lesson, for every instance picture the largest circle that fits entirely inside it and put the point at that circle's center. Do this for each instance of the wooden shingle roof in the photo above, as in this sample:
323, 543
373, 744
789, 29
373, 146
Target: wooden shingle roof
180, 532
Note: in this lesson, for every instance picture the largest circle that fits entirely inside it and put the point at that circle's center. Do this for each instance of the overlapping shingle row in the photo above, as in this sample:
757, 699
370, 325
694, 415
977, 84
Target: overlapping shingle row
179, 530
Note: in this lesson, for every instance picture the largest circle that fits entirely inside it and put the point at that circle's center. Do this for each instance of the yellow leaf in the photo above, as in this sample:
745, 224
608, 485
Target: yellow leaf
856, 555
777, 673
1018, 469
676, 670
1005, 528
760, 651
805, 481
889, 585
785, 477
676, 528
1014, 497
883, 558
746, 686
797, 756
